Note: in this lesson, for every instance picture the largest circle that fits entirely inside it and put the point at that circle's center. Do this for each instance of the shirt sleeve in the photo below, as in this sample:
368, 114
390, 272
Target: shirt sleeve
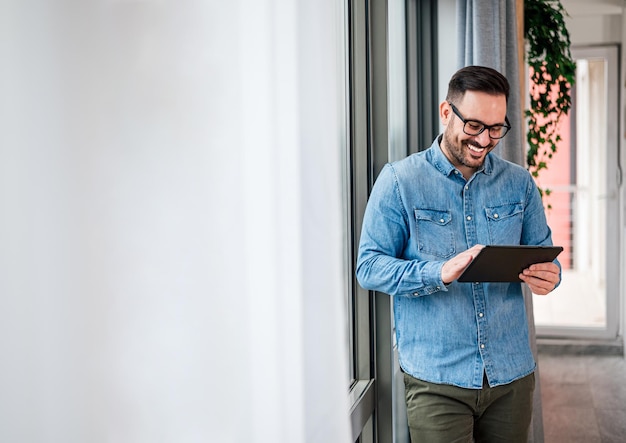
535, 230
384, 236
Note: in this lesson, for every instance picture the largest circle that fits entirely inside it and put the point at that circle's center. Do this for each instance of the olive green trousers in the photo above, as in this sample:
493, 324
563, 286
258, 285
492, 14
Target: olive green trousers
446, 414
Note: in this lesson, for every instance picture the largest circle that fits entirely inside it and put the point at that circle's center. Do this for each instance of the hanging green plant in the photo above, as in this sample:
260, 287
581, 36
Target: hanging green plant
552, 74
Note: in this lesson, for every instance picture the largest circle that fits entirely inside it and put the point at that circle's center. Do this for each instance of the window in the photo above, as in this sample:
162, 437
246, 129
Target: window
356, 186
382, 122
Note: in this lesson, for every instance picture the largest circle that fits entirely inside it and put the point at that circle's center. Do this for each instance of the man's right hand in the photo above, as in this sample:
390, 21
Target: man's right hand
453, 268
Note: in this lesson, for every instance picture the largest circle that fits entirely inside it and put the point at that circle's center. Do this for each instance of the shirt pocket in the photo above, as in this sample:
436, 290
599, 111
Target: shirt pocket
435, 235
505, 224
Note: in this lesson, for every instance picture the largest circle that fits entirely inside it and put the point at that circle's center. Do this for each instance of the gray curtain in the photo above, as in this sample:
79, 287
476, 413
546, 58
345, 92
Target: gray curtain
487, 35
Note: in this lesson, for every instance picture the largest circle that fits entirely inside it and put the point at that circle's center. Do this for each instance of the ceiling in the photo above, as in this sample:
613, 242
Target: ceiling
593, 7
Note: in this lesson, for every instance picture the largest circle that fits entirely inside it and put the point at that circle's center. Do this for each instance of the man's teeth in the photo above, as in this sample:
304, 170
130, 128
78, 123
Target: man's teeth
475, 148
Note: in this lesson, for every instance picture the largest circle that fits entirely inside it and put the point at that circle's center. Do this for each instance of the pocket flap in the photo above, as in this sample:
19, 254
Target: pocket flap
504, 211
439, 217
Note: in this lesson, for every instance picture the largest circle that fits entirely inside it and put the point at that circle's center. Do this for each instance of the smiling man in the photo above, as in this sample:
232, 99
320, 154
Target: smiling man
463, 347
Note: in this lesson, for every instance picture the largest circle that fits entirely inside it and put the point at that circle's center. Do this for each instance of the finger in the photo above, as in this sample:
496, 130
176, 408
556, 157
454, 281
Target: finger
537, 285
537, 288
475, 249
551, 267
548, 276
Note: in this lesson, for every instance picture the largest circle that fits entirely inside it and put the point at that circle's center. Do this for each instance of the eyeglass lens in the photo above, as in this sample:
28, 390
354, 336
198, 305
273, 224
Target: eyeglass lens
476, 128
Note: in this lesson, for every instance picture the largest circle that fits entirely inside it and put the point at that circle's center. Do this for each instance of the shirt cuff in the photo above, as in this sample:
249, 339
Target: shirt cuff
431, 279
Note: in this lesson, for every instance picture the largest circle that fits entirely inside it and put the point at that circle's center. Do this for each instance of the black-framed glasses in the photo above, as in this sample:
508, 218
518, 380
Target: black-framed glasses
473, 127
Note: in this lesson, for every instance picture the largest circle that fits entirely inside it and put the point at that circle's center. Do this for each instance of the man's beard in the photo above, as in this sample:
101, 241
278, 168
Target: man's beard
459, 151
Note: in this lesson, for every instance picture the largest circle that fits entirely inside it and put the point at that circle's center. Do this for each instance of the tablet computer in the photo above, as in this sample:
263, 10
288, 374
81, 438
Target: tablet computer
495, 263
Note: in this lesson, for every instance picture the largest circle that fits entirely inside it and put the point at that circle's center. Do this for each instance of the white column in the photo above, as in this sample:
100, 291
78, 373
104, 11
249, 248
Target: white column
170, 225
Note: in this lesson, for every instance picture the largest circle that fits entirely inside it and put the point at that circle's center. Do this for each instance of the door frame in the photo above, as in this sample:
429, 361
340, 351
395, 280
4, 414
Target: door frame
613, 242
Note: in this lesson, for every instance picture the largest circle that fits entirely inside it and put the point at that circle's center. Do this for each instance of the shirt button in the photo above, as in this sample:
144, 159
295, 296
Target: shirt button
480, 314
469, 217
466, 187
415, 294
441, 220
495, 215
482, 346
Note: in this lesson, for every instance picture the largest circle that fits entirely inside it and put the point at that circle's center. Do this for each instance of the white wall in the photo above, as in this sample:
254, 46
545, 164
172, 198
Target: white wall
594, 29
170, 241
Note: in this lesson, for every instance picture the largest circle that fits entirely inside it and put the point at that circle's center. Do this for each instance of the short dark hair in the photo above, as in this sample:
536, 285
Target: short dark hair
477, 78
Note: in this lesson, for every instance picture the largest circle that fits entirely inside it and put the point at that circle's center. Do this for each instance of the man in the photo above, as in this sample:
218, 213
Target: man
464, 347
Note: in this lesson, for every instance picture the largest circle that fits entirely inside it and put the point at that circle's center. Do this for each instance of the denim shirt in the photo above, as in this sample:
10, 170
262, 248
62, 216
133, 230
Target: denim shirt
421, 213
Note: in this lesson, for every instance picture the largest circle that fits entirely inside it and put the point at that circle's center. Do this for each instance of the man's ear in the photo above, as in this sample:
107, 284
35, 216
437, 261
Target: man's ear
445, 112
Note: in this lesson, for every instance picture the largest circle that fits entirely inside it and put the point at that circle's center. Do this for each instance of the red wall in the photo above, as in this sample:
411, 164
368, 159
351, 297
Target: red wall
558, 177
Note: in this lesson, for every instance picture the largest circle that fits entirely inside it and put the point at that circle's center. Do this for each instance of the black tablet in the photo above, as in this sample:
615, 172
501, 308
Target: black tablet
504, 263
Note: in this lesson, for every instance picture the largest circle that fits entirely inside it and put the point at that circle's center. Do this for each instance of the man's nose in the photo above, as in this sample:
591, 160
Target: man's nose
484, 139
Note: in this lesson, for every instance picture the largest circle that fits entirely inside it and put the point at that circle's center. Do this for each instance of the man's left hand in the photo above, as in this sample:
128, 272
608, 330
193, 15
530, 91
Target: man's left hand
541, 278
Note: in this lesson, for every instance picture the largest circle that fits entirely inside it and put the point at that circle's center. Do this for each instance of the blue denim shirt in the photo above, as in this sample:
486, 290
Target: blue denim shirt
421, 213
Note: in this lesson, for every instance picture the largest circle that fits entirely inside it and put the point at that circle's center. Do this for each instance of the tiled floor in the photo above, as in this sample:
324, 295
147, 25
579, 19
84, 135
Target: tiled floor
583, 398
